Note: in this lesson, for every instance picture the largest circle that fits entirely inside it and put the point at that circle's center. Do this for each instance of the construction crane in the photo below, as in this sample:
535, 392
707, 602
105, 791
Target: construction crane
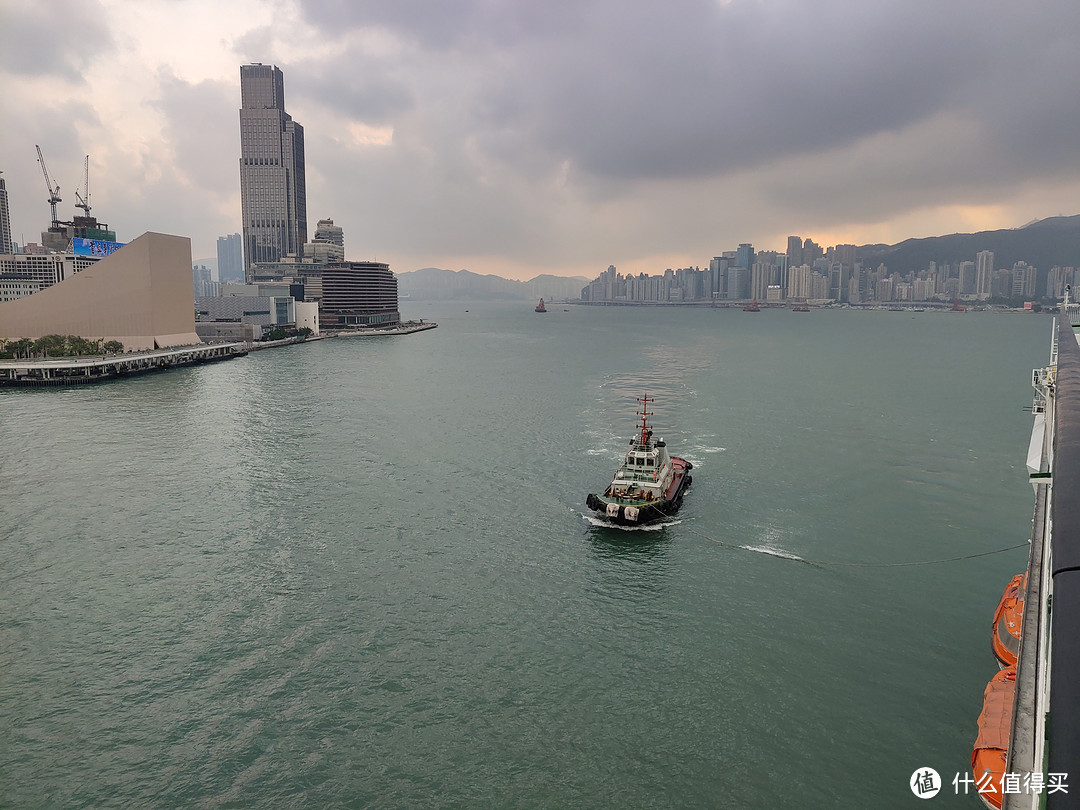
83, 200
54, 191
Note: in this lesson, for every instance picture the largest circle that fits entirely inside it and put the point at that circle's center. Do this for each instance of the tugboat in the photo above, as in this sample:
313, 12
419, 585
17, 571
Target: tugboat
649, 484
540, 307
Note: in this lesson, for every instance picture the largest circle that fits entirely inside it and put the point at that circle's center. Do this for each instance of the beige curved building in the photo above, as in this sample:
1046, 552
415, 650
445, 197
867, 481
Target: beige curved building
141, 295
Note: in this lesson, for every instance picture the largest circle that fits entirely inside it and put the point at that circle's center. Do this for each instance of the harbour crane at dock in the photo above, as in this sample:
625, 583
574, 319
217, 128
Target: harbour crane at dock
54, 191
83, 200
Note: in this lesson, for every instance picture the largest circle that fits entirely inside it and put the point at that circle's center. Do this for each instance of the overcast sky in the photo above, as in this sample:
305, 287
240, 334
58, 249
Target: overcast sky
556, 136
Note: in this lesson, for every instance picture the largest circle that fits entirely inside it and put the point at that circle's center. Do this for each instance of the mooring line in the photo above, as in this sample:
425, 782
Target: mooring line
784, 555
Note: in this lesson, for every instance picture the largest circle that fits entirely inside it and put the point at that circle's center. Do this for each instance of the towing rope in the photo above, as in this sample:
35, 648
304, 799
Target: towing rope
784, 555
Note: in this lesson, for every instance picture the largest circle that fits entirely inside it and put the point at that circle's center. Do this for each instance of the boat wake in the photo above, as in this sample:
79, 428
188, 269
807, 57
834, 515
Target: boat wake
773, 552
600, 523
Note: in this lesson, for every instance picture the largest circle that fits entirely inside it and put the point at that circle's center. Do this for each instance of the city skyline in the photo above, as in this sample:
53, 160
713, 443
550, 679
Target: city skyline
518, 139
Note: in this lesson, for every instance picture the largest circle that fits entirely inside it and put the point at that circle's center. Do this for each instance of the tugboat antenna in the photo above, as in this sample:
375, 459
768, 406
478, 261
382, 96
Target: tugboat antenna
644, 413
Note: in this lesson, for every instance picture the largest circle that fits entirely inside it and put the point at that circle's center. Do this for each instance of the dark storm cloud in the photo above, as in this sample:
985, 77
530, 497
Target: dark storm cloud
367, 91
694, 88
442, 26
32, 45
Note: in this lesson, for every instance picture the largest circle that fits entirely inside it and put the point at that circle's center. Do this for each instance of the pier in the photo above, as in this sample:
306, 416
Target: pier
98, 368
403, 328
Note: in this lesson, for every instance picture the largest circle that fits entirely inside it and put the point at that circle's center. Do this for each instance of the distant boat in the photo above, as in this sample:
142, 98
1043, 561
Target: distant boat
540, 307
752, 307
800, 308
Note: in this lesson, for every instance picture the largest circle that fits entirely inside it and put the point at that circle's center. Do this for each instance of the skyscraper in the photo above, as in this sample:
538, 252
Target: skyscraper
794, 251
273, 189
230, 258
745, 256
5, 220
984, 273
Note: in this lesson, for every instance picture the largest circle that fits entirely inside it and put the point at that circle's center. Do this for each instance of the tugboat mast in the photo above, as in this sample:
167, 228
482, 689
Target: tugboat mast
645, 413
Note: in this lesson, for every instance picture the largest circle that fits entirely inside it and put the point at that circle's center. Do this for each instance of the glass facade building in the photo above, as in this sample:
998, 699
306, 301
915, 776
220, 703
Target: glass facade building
273, 188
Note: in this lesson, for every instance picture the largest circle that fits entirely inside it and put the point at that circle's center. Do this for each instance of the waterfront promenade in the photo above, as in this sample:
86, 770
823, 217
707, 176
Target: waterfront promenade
100, 368
37, 372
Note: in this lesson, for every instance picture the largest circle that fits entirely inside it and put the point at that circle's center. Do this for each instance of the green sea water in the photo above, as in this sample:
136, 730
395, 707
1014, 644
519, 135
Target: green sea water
360, 572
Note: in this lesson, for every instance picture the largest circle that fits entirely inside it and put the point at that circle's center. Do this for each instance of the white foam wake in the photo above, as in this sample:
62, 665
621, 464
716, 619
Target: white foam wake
648, 527
775, 552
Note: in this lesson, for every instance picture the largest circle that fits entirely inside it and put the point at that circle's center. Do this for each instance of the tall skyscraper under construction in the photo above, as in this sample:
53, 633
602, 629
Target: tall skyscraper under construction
273, 190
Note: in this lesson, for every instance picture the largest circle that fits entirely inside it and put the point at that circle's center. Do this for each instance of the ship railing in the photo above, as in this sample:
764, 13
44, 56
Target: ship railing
636, 473
1059, 636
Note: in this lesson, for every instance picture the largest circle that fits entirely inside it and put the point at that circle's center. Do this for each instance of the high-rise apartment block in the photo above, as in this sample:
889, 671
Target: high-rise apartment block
1023, 280
984, 273
845, 254
202, 282
967, 278
230, 258
273, 188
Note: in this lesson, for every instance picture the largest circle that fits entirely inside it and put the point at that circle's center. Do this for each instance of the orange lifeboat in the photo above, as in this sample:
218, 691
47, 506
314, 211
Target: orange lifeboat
1008, 619
988, 759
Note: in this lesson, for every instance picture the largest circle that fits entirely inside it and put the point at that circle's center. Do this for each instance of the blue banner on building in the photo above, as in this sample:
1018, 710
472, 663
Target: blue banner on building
95, 247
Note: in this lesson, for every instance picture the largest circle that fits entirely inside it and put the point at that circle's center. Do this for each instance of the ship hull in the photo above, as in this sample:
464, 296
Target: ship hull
624, 512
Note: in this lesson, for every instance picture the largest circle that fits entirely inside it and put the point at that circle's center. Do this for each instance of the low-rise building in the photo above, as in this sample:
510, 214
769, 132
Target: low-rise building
12, 287
359, 294
264, 310
45, 268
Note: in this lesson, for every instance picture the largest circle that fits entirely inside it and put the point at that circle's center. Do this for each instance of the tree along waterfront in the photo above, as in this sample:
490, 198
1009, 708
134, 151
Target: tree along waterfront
57, 346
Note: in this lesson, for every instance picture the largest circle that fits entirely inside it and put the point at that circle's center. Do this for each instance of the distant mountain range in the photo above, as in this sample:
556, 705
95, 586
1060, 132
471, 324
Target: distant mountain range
1043, 243
433, 284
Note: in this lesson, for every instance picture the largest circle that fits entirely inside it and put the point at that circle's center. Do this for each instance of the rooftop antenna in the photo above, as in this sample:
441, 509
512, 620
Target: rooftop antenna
83, 200
54, 191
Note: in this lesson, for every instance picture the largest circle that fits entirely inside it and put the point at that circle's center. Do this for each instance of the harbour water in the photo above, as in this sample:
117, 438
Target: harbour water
360, 573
